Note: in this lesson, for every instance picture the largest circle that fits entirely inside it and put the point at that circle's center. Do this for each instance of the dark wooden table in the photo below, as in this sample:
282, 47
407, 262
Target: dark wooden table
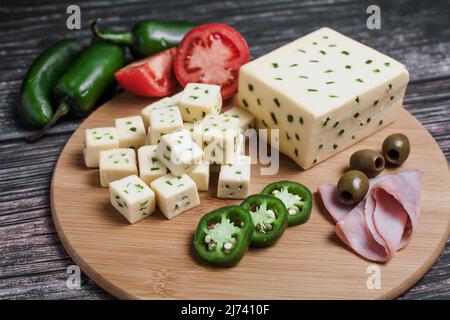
33, 262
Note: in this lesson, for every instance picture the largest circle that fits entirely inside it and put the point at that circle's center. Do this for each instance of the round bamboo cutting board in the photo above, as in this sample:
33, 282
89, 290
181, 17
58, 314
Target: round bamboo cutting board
155, 259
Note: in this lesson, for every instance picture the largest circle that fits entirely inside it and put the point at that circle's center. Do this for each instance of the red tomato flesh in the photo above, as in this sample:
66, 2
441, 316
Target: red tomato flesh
150, 77
212, 53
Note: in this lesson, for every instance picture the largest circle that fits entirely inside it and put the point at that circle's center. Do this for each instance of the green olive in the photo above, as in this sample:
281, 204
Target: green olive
368, 161
352, 187
396, 148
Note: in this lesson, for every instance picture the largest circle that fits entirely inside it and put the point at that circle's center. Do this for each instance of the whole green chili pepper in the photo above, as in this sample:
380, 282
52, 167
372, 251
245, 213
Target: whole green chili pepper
146, 38
269, 218
223, 235
296, 197
85, 81
36, 95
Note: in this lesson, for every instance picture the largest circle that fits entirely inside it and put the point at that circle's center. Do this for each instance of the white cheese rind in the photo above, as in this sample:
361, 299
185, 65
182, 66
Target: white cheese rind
199, 100
132, 198
234, 179
175, 194
150, 168
163, 121
96, 140
200, 174
131, 132
178, 152
116, 164
324, 92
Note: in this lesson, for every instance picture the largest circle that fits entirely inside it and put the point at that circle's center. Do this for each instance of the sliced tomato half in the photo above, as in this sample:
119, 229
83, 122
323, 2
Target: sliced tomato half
150, 77
212, 53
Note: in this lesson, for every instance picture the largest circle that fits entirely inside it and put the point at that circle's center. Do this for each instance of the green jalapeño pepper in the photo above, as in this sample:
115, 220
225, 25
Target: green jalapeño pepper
36, 95
296, 198
269, 218
223, 235
146, 38
86, 81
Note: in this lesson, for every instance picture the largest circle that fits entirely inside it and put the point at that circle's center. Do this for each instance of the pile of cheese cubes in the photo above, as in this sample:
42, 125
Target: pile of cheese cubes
177, 139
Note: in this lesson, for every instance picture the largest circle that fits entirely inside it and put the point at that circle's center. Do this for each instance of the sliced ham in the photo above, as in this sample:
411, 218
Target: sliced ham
384, 221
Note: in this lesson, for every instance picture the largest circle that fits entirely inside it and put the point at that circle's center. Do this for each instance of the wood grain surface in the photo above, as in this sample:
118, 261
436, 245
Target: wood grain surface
154, 259
33, 262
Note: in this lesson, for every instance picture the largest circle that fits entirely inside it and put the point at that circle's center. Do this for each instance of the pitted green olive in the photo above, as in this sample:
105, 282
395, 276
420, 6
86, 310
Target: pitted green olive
396, 148
369, 162
352, 187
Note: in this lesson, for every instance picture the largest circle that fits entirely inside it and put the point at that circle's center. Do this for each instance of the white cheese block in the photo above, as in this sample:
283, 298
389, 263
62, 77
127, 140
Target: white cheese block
163, 121
199, 100
160, 104
96, 140
132, 198
219, 137
234, 179
150, 168
247, 120
116, 164
178, 152
175, 194
324, 92
200, 174
131, 132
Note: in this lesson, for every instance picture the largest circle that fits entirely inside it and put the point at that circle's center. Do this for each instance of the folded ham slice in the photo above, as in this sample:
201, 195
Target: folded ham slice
384, 221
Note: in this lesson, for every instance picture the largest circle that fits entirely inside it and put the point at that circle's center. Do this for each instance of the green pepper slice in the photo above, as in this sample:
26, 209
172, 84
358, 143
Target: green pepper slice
223, 235
269, 217
296, 197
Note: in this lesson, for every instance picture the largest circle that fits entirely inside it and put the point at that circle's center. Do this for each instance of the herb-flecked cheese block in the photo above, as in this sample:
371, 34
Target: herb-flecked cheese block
198, 100
324, 92
175, 194
150, 168
131, 132
116, 164
132, 198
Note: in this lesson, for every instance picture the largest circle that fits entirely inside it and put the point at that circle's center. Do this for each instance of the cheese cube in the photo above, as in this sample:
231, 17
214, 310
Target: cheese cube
178, 152
199, 100
116, 164
234, 179
175, 194
132, 198
324, 92
247, 120
150, 168
131, 132
200, 174
219, 136
96, 140
163, 121
188, 128
160, 104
